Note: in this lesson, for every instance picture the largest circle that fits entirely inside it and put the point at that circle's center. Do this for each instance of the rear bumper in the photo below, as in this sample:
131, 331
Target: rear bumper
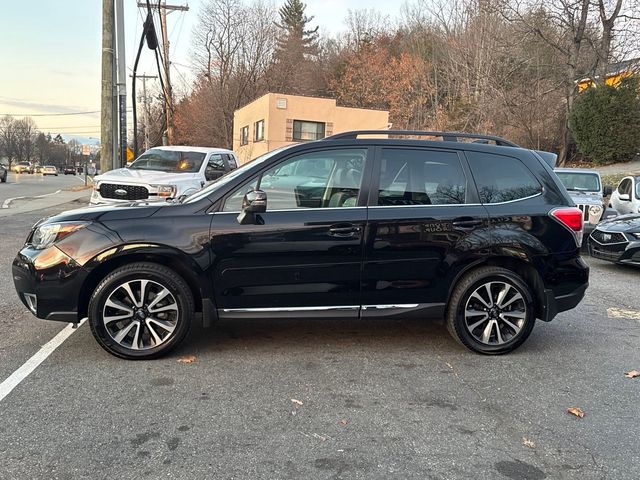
564, 287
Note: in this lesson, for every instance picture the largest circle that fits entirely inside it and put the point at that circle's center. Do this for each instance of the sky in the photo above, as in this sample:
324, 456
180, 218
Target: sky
50, 60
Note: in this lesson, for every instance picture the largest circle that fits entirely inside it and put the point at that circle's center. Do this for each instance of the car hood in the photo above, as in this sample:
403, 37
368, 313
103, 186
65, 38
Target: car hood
592, 198
622, 223
127, 175
103, 214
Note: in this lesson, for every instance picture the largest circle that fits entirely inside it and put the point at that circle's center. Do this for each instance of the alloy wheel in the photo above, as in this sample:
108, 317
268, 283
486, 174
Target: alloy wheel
495, 313
140, 314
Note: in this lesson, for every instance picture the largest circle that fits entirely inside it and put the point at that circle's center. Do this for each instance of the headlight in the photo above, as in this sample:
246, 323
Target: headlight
595, 209
46, 235
165, 190
637, 234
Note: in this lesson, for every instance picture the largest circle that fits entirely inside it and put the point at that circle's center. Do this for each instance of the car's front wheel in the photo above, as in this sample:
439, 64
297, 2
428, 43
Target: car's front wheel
141, 311
491, 311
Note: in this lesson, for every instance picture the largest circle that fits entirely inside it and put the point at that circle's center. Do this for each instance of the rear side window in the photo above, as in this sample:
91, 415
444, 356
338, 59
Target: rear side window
502, 179
420, 177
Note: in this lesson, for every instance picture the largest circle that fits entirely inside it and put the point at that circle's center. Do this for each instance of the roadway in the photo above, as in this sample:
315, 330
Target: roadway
34, 185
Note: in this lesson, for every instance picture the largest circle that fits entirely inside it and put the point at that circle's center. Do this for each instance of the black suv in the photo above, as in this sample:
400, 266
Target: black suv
481, 233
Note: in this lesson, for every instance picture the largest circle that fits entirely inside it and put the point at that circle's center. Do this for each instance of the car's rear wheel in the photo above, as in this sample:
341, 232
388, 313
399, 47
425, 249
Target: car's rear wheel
491, 311
141, 311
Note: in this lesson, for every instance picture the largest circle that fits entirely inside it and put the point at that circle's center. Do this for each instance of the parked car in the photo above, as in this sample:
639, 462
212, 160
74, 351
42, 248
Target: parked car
626, 197
344, 227
3, 173
69, 170
617, 240
49, 170
161, 173
23, 167
586, 190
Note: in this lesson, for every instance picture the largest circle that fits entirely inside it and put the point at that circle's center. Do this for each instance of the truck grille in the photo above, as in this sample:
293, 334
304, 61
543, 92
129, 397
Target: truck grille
585, 212
608, 238
134, 192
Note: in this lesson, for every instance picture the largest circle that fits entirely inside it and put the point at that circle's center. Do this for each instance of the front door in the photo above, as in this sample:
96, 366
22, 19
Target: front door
424, 219
303, 256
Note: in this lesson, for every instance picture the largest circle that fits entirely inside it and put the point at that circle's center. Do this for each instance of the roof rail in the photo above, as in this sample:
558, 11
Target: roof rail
446, 136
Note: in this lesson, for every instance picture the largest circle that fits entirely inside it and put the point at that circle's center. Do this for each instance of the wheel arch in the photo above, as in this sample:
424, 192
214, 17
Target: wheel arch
522, 268
162, 255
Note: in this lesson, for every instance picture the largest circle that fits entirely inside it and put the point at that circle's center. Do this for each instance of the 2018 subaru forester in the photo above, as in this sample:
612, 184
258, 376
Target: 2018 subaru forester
482, 233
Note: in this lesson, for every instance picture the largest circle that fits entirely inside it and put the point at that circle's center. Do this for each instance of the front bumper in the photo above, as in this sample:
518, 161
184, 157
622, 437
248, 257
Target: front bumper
625, 252
48, 282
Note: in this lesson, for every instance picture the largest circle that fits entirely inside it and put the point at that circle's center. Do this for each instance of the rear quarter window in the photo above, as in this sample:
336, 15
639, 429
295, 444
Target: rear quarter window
501, 178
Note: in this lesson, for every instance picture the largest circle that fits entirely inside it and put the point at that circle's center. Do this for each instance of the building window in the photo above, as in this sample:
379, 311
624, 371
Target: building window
258, 131
244, 135
303, 130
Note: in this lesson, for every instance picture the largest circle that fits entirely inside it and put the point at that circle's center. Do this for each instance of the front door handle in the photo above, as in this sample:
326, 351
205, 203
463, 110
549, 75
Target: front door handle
343, 230
467, 222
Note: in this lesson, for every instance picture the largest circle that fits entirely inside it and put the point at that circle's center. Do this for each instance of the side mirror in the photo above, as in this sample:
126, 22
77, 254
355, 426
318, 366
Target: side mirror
253, 202
211, 174
607, 190
624, 197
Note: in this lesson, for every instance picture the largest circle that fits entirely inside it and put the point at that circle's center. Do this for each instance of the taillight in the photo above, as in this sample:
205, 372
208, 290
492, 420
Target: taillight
572, 219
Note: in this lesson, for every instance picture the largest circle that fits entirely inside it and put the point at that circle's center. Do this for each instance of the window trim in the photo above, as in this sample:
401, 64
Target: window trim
255, 131
471, 194
293, 130
363, 194
244, 140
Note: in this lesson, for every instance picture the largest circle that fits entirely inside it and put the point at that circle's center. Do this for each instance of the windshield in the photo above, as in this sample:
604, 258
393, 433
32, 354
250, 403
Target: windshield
583, 182
168, 161
233, 174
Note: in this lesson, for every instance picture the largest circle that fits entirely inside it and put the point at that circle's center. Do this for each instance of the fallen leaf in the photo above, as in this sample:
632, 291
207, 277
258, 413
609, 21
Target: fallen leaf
528, 443
344, 421
632, 374
297, 402
577, 411
187, 359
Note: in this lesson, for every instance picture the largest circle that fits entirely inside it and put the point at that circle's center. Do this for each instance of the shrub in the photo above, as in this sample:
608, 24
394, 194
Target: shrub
605, 122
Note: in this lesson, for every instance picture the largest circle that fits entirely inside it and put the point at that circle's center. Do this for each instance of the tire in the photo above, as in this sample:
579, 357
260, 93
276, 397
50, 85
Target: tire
169, 320
4, 179
511, 318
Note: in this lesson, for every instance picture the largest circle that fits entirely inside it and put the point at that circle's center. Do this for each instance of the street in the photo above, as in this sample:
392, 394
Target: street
34, 185
324, 399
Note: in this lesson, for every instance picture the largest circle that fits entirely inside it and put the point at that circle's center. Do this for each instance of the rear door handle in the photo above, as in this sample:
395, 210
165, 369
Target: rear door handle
343, 230
467, 222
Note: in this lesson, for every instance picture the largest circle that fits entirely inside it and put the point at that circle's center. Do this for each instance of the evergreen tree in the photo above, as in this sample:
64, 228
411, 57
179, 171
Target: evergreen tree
292, 70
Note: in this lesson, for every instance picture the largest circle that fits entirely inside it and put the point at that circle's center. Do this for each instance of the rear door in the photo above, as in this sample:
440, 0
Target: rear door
303, 256
424, 220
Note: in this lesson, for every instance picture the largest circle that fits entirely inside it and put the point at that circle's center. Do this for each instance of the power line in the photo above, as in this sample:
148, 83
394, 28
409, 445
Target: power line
46, 114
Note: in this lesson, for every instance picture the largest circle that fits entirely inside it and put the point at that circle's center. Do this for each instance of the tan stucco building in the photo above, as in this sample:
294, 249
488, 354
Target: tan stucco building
276, 120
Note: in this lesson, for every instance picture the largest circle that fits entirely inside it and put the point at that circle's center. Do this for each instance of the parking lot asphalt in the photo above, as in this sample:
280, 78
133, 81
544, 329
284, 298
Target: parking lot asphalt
327, 399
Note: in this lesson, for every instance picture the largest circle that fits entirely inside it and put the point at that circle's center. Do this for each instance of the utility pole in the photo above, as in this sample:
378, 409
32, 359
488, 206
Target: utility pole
168, 94
145, 101
106, 118
122, 85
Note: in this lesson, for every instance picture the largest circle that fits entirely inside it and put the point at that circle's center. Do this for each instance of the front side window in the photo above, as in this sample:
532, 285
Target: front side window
625, 186
244, 135
327, 179
420, 177
258, 131
500, 178
304, 130
168, 161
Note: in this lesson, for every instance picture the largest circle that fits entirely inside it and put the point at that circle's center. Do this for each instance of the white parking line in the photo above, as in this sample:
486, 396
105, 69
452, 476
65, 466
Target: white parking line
8, 201
40, 356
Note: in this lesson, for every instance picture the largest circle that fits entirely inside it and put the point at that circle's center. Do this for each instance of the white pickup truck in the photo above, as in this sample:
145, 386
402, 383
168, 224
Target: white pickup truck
161, 173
